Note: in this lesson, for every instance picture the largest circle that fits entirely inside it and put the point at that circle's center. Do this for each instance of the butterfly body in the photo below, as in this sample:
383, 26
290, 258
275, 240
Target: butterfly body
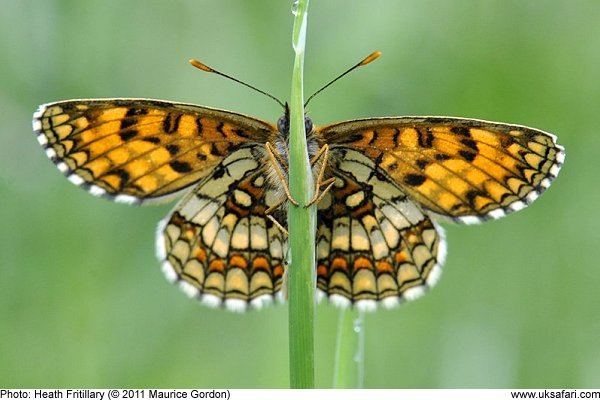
376, 240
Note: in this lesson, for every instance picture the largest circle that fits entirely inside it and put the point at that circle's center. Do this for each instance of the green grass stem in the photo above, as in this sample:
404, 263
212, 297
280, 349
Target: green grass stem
349, 367
301, 275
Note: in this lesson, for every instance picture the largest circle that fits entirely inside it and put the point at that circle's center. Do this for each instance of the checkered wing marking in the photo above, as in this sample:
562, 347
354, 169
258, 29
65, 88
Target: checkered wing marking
217, 244
135, 150
463, 169
374, 245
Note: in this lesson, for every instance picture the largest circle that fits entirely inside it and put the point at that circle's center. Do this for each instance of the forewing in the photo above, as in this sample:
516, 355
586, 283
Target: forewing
218, 245
135, 150
464, 169
374, 245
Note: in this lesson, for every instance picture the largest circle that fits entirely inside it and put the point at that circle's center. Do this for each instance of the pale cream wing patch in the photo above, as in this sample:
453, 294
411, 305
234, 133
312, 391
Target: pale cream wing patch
218, 245
374, 245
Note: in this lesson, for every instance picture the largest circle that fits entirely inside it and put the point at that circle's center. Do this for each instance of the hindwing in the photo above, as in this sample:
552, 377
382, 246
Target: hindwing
218, 245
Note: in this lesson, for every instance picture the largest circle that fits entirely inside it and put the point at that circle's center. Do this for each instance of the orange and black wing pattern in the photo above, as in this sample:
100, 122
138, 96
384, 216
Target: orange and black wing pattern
225, 243
218, 244
466, 170
376, 241
374, 244
138, 150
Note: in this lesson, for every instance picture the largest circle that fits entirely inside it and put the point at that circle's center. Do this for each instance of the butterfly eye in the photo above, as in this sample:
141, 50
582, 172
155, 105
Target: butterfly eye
283, 125
308, 125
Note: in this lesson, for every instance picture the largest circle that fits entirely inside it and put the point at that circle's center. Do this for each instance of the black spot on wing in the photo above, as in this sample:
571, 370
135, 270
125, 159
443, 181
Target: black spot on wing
199, 126
241, 133
135, 111
122, 174
422, 163
220, 129
128, 134
173, 149
425, 137
171, 123
470, 143
414, 179
471, 195
179, 166
151, 139
219, 172
373, 137
396, 138
467, 155
461, 130
130, 117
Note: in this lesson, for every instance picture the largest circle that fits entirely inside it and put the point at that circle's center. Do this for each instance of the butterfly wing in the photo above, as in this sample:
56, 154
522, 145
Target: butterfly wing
463, 169
373, 243
137, 150
218, 245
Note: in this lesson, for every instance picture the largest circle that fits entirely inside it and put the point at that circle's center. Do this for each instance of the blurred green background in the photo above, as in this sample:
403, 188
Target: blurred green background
82, 300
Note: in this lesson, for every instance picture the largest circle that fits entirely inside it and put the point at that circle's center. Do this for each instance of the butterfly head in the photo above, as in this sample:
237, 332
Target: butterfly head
283, 124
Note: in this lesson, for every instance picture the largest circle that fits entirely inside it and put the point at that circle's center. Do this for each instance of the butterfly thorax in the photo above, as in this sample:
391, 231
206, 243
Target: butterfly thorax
281, 144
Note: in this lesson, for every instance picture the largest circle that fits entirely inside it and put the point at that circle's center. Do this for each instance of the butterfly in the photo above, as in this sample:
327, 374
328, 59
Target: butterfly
225, 243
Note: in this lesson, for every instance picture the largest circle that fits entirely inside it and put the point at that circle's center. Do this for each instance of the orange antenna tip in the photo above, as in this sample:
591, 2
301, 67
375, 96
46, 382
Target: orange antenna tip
371, 57
200, 65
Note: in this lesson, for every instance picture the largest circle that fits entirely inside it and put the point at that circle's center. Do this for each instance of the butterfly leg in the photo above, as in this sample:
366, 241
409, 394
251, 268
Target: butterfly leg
277, 161
319, 196
278, 225
328, 183
268, 212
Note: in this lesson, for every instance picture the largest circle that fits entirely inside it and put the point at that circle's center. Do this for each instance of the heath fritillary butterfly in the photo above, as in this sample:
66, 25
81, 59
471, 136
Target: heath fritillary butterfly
377, 242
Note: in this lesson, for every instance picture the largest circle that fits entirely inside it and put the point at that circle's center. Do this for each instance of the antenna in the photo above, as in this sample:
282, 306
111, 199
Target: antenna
364, 61
206, 68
